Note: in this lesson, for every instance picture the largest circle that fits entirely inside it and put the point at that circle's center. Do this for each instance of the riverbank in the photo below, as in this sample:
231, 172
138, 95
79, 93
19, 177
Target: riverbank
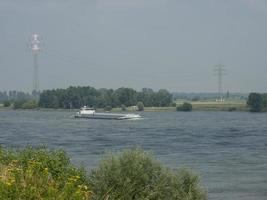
217, 106
228, 105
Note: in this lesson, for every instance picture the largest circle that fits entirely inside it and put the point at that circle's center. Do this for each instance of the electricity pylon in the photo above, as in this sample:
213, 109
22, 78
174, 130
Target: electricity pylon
220, 71
35, 50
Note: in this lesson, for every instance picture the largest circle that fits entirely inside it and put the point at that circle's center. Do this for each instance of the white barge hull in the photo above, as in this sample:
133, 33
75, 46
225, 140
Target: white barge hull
108, 116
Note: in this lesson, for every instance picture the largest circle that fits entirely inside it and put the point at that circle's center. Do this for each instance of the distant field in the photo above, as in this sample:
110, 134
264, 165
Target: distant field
237, 104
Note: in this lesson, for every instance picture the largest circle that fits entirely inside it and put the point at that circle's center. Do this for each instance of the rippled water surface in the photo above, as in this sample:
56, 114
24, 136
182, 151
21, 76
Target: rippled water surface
227, 149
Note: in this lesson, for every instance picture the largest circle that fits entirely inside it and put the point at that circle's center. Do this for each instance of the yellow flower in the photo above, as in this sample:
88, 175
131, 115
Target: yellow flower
8, 183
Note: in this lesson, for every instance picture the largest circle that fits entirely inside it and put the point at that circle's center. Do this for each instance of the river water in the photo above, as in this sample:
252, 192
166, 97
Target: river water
227, 149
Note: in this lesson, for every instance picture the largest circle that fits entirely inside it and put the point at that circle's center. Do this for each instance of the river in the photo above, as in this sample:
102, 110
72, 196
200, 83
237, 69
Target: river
227, 149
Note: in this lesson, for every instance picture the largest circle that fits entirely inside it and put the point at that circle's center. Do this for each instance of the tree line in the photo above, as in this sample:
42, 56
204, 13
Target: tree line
15, 95
18, 99
76, 97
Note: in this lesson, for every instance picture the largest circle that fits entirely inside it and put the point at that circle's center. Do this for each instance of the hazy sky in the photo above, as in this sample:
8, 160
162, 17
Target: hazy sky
171, 44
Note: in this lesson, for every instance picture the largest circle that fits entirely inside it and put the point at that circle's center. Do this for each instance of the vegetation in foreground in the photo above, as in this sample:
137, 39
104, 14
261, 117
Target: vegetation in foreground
134, 174
37, 173
40, 174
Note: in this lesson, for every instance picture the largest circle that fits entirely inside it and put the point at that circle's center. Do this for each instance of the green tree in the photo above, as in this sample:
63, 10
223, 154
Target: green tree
140, 106
164, 98
30, 104
123, 107
255, 102
7, 103
264, 98
126, 96
18, 104
108, 108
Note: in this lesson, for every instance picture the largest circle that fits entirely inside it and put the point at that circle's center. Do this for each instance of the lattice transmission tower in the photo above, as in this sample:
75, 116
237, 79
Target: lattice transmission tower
220, 71
35, 51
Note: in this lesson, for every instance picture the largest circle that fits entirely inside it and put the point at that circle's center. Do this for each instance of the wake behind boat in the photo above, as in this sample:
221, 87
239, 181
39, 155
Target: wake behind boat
90, 113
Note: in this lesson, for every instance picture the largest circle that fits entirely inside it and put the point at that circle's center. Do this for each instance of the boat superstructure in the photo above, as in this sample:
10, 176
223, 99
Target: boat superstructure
87, 112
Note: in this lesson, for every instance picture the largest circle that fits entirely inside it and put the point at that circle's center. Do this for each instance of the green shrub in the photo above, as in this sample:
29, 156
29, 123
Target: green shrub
185, 107
108, 108
7, 103
134, 174
31, 104
140, 106
18, 104
40, 174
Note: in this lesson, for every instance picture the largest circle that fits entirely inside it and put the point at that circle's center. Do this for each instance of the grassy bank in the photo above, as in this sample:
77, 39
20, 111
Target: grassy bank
40, 174
212, 105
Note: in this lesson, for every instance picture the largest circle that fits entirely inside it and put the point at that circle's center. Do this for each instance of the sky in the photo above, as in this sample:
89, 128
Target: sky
169, 44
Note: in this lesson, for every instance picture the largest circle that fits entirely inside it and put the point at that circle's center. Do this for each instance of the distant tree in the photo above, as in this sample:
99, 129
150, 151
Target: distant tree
31, 104
255, 102
108, 108
140, 106
163, 98
173, 104
185, 107
264, 97
18, 104
147, 96
3, 96
196, 98
126, 96
228, 95
7, 103
80, 96
123, 107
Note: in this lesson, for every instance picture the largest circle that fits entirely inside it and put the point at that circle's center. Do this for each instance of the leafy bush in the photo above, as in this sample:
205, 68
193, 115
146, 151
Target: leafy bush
40, 174
7, 103
140, 106
108, 108
18, 104
134, 174
30, 104
185, 107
